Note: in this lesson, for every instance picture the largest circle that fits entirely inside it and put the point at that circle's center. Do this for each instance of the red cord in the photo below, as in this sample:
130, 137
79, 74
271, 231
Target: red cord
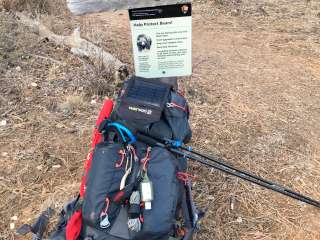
105, 212
185, 177
146, 159
119, 163
174, 104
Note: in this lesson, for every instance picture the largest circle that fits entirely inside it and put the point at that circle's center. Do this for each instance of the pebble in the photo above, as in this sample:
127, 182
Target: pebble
232, 200
93, 101
14, 218
39, 167
4, 154
12, 226
60, 125
3, 123
18, 69
72, 130
56, 166
239, 220
33, 84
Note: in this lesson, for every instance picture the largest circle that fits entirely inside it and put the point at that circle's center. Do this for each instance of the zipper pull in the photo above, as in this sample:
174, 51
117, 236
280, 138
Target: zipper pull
104, 218
104, 221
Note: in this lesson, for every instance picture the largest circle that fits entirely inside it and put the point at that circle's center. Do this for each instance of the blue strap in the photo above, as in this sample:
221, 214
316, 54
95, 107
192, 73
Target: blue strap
189, 148
123, 131
174, 143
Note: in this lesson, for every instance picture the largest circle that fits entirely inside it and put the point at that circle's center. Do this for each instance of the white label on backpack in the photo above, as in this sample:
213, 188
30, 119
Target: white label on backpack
161, 38
146, 189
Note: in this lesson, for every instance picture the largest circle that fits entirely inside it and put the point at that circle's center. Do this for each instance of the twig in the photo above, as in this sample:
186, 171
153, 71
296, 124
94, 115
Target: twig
47, 58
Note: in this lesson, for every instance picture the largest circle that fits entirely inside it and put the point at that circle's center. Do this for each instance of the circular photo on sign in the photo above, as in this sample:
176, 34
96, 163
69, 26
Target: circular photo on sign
185, 9
143, 42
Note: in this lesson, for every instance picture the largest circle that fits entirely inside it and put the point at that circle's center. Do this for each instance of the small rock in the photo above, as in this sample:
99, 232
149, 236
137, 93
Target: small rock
3, 123
235, 12
60, 125
28, 99
12, 226
18, 69
4, 154
232, 201
56, 166
33, 84
93, 101
14, 218
297, 179
39, 167
239, 220
72, 130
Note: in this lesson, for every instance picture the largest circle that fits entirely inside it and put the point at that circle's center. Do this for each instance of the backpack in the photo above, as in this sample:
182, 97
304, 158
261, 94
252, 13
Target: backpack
130, 190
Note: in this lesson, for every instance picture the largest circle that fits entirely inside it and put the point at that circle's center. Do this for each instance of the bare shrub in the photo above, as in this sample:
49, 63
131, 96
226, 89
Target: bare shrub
99, 82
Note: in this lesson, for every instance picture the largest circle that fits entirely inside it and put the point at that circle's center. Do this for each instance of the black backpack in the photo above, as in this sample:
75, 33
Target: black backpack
131, 190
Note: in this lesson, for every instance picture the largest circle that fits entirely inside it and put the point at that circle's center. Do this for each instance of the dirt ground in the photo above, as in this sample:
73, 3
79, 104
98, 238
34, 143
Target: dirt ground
254, 96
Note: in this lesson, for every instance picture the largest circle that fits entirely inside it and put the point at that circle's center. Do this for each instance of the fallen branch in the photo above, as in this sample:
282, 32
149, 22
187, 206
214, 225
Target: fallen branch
79, 46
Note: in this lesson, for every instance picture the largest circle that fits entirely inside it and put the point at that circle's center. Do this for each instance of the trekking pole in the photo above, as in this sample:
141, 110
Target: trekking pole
216, 163
221, 162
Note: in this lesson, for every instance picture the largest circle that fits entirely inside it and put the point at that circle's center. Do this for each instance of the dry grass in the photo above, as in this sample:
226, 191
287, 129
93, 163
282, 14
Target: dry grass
254, 95
46, 98
35, 6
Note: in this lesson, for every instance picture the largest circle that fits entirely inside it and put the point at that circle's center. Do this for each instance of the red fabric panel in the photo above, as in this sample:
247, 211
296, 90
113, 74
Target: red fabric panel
74, 226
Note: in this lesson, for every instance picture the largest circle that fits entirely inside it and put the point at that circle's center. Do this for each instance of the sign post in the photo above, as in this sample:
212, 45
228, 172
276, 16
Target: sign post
162, 40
